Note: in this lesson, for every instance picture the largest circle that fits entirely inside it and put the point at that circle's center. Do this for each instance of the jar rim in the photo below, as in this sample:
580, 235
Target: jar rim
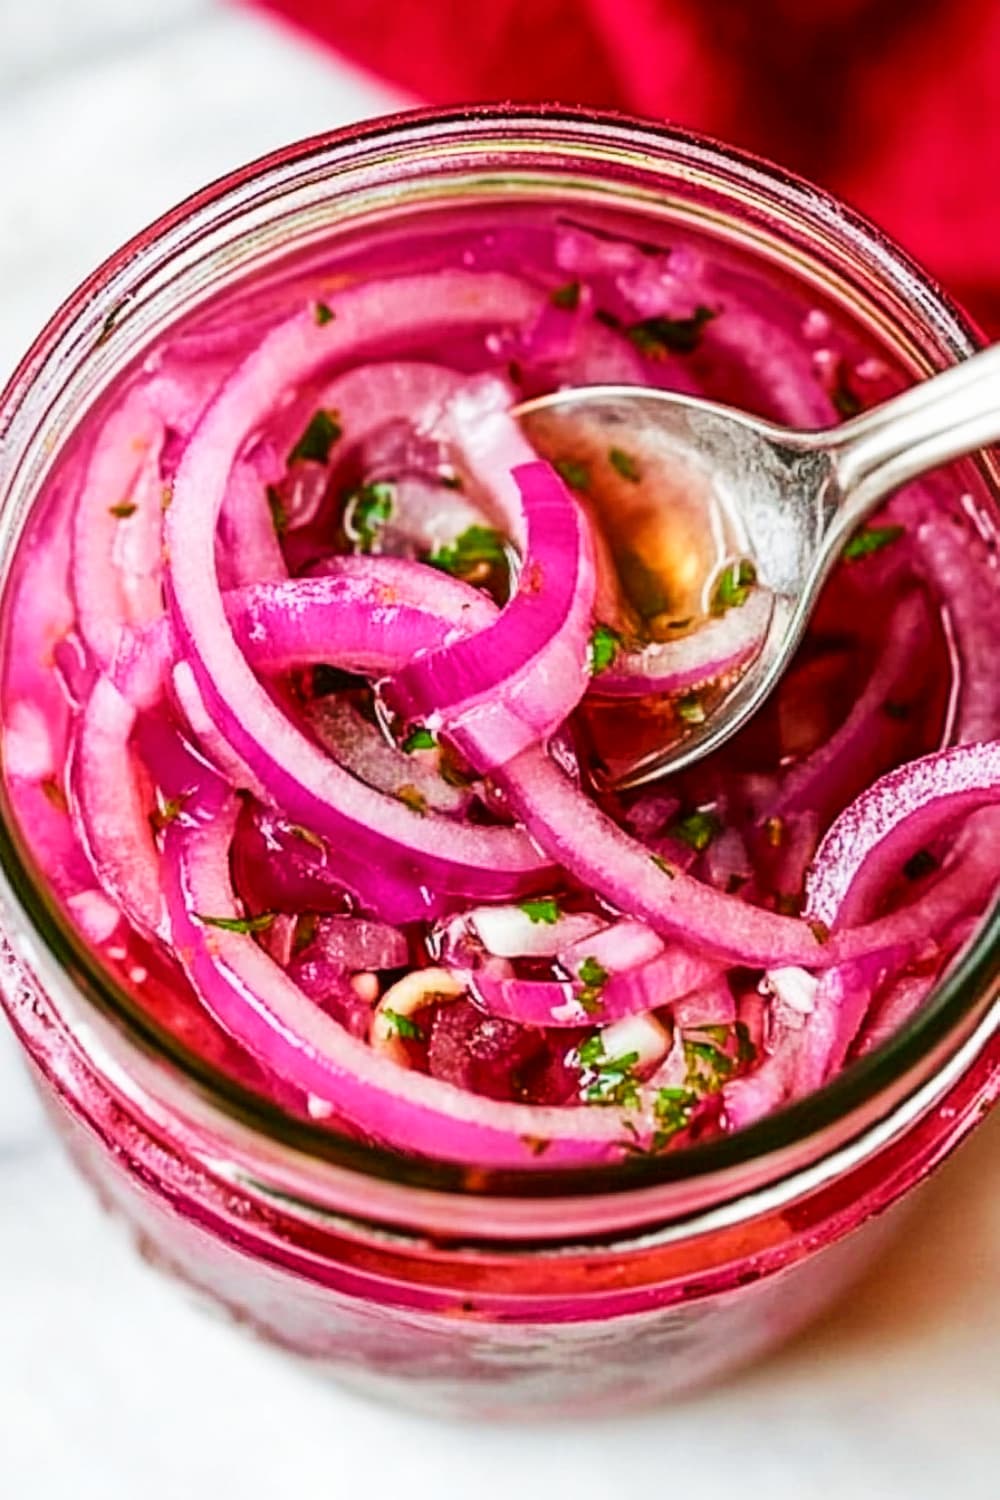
862, 1096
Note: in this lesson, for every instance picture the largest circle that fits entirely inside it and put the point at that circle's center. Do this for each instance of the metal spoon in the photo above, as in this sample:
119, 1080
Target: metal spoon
795, 497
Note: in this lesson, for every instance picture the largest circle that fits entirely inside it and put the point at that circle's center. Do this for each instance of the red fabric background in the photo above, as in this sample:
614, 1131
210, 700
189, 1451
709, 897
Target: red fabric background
894, 104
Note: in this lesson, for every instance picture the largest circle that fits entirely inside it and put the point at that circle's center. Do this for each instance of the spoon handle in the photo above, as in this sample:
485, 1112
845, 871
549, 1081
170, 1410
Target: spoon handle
935, 421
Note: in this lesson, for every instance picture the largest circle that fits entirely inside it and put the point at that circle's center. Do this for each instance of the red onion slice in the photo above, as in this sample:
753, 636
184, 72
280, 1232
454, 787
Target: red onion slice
717, 651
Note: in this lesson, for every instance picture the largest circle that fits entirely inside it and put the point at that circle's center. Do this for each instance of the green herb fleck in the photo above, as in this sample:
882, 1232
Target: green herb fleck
567, 297
920, 865
673, 1108
412, 797
323, 313
734, 585
624, 464
664, 865
123, 510
168, 810
477, 547
690, 708
593, 976
305, 930
276, 505
575, 473
544, 910
319, 437
871, 539
419, 739
820, 931
238, 924
660, 336
367, 510
402, 1026
708, 1066
845, 402
605, 644
607, 1080
307, 836
696, 829
786, 904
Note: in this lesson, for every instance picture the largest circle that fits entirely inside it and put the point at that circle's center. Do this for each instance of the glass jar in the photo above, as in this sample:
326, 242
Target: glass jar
450, 1288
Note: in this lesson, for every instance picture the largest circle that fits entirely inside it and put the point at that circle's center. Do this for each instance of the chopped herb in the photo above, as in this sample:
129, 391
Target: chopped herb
238, 924
820, 931
734, 586
545, 910
123, 510
696, 829
276, 505
845, 402
774, 831
607, 1080
690, 708
367, 510
575, 473
920, 864
319, 437
412, 797
871, 539
609, 319
476, 547
567, 297
624, 464
305, 931
660, 336
402, 1026
452, 770
419, 739
664, 865
707, 1066
536, 1144
323, 313
673, 1108
604, 647
593, 976
746, 1052
167, 811
788, 905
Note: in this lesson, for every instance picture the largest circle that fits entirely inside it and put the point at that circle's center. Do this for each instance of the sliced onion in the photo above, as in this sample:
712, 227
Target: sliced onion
717, 651
362, 749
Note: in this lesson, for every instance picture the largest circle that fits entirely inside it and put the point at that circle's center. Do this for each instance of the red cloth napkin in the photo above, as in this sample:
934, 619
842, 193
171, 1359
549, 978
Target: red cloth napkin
894, 104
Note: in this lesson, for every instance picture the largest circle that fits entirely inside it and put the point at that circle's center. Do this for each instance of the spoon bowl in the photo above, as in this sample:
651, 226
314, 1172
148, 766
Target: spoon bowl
792, 499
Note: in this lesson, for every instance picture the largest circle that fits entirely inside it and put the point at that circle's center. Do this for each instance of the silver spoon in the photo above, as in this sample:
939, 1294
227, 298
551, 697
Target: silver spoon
795, 497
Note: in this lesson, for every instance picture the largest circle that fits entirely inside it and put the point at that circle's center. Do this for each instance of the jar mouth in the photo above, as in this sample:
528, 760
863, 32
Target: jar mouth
956, 1020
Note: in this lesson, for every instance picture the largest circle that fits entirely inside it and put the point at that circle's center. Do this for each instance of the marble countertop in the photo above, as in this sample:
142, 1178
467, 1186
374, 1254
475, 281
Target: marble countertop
114, 1387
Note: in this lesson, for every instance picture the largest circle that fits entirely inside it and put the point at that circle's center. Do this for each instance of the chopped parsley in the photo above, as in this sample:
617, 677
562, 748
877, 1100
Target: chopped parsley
660, 336
664, 865
708, 1066
593, 976
734, 585
367, 510
673, 1108
307, 836
419, 739
168, 810
696, 829
690, 708
624, 464
411, 797
476, 547
544, 910
323, 313
566, 297
846, 403
820, 931
607, 1080
574, 472
123, 510
238, 924
276, 505
605, 644
319, 437
402, 1026
305, 930
746, 1052
871, 539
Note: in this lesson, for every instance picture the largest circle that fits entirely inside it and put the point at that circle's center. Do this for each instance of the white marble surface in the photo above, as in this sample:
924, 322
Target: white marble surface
111, 1386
